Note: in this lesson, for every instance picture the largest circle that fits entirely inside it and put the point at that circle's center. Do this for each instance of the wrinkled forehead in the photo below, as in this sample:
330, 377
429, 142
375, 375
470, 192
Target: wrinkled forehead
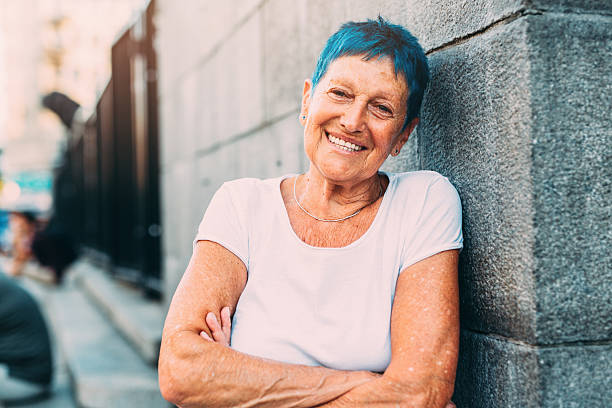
361, 71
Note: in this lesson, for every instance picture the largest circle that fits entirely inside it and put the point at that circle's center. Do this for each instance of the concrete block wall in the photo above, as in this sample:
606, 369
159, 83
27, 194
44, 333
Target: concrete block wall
517, 116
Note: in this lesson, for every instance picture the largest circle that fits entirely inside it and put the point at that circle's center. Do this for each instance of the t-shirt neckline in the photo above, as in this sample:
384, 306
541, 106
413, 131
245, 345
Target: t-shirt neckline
381, 209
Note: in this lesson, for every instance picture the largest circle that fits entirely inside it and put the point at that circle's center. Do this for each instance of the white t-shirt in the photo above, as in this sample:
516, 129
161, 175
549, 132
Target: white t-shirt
327, 306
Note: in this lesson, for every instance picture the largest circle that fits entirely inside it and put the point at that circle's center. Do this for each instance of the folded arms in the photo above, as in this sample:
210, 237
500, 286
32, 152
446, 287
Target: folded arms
196, 372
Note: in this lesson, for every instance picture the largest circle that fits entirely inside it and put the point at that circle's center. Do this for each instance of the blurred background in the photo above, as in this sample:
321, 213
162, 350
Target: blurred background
119, 119
60, 184
48, 46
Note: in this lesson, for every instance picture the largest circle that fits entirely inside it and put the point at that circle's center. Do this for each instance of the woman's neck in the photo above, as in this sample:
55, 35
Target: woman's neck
327, 198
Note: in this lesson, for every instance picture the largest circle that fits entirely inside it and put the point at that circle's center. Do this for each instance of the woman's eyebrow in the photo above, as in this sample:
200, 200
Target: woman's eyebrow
379, 94
389, 98
346, 83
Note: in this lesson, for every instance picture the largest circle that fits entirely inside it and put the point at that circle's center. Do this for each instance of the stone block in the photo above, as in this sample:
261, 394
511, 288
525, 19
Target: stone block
284, 63
517, 118
214, 169
322, 18
169, 208
193, 32
433, 22
571, 174
166, 54
270, 152
177, 111
234, 95
178, 192
167, 130
245, 50
173, 272
179, 203
288, 134
475, 129
207, 107
178, 38
186, 178
186, 117
436, 23
576, 6
575, 376
494, 372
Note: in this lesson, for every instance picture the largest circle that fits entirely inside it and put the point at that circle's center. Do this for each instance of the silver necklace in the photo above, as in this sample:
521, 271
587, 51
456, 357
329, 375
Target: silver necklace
334, 220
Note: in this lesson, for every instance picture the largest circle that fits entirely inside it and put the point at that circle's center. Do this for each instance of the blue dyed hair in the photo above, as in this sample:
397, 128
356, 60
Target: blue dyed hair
378, 39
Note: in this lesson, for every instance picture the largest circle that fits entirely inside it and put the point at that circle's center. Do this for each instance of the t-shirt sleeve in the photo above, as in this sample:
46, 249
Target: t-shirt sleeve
224, 224
438, 227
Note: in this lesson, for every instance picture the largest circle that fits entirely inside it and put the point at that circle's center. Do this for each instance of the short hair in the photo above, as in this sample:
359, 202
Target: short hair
377, 39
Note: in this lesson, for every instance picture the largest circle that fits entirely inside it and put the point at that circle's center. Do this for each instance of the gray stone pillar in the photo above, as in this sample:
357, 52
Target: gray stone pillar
518, 117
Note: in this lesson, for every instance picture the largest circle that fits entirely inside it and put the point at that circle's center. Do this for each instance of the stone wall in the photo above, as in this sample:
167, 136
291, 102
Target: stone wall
517, 117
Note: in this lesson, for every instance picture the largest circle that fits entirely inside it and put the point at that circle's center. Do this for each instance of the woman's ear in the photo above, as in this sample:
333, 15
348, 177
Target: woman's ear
404, 135
306, 93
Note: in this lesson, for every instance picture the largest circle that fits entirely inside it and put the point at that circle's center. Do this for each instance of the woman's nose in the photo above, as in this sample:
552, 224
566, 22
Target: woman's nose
353, 118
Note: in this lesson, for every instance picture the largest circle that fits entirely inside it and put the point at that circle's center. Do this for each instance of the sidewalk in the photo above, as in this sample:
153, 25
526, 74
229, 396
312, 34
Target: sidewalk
106, 337
61, 390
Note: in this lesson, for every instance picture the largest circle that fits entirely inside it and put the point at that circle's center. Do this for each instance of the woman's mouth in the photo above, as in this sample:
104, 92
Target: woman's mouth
344, 145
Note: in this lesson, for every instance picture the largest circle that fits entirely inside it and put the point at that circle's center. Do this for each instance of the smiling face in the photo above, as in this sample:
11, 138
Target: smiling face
354, 118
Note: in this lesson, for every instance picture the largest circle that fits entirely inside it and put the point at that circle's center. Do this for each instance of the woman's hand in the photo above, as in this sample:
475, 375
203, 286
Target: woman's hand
221, 333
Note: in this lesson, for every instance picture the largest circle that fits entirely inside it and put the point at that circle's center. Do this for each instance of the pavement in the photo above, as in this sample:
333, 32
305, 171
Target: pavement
105, 336
60, 396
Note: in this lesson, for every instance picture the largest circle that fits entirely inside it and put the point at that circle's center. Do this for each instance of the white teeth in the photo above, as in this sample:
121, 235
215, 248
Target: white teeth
344, 144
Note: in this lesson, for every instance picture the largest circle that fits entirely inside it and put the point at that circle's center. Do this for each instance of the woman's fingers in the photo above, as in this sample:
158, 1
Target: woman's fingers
221, 332
205, 336
215, 328
226, 322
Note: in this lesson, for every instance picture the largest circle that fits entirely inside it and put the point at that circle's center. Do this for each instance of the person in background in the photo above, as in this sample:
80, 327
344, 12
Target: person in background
25, 351
54, 249
47, 243
23, 229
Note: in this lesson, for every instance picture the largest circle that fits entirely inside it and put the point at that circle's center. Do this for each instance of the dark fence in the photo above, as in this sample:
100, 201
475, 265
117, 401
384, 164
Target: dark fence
107, 192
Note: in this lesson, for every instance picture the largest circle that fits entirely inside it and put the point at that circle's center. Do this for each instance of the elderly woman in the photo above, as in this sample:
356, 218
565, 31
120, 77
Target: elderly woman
342, 281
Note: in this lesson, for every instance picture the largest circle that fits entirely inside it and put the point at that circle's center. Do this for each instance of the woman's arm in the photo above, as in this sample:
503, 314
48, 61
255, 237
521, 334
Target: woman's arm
194, 372
424, 340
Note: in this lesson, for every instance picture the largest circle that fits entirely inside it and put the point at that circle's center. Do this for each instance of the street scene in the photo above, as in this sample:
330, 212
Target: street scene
124, 122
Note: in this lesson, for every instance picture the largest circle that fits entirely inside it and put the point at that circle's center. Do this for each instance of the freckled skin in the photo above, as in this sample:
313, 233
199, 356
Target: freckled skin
200, 370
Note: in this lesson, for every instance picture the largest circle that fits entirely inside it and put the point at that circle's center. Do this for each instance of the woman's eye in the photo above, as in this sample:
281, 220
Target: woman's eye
384, 110
339, 93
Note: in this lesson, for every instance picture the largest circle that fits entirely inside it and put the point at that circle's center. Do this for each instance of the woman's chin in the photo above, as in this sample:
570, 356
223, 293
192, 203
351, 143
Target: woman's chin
340, 173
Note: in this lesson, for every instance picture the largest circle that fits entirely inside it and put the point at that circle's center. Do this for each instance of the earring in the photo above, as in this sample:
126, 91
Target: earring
303, 117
